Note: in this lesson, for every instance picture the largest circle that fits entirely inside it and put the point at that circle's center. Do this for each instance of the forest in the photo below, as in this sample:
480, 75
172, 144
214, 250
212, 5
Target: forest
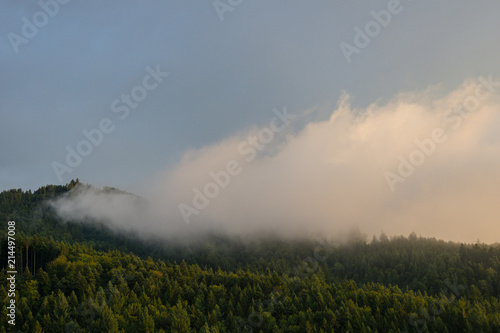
84, 277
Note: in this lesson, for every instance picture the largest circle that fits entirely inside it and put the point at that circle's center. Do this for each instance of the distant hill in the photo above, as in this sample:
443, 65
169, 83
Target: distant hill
76, 277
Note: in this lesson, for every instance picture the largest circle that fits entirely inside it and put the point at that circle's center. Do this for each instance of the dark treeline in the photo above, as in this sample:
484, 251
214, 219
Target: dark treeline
75, 277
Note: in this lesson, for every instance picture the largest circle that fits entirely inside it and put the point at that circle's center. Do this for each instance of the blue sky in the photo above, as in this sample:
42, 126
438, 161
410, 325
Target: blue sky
171, 93
224, 75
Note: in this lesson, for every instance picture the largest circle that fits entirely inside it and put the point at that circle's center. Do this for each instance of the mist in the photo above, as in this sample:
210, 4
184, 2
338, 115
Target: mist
425, 162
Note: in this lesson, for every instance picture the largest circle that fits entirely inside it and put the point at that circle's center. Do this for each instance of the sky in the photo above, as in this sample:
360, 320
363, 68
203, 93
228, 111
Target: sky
156, 98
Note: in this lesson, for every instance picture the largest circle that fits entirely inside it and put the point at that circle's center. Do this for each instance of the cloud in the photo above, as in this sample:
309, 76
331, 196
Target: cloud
331, 175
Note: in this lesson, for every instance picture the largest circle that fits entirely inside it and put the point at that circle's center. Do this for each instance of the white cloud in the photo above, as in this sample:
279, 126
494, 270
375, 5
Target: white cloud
329, 176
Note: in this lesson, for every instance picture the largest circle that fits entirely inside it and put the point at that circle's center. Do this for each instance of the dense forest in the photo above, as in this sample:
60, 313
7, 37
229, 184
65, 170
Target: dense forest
82, 277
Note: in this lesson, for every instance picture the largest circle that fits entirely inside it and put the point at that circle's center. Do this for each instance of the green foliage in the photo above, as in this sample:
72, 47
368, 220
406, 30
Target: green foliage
83, 278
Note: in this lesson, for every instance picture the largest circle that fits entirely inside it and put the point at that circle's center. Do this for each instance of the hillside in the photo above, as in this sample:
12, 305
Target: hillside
83, 277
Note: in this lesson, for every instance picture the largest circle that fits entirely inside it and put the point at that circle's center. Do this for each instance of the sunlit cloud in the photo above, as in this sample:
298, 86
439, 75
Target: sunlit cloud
330, 175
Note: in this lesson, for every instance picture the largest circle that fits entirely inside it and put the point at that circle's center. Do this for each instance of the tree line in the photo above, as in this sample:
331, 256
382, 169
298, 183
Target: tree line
76, 277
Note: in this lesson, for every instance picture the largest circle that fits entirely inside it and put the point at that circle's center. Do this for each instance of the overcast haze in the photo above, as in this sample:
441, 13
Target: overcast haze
326, 170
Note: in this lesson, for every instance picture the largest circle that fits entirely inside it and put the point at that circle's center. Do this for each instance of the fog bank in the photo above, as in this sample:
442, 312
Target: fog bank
424, 161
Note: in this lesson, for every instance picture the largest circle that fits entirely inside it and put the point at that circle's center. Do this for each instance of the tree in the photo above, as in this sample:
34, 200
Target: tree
180, 319
146, 322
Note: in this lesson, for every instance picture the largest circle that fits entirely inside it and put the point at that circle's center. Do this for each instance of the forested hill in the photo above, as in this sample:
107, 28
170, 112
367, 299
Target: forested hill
82, 277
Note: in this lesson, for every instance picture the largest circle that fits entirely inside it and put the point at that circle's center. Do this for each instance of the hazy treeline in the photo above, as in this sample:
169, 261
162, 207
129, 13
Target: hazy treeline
81, 277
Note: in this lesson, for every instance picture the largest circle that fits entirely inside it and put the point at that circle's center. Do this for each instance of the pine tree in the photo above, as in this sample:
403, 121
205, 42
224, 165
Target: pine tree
146, 322
181, 322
